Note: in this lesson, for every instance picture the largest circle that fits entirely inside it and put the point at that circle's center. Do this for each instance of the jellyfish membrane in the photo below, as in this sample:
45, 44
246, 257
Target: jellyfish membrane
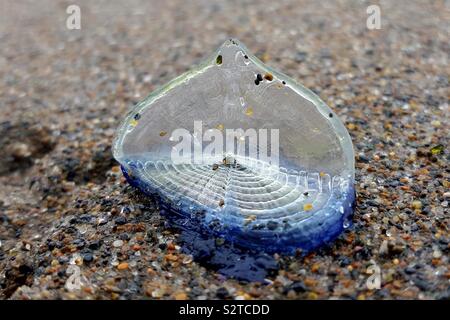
254, 157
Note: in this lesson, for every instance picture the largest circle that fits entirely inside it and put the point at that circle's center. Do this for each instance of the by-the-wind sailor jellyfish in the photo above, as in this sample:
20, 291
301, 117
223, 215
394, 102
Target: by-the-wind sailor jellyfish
254, 157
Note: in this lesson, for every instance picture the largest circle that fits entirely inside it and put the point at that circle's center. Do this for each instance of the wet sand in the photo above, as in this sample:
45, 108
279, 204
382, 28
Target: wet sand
64, 201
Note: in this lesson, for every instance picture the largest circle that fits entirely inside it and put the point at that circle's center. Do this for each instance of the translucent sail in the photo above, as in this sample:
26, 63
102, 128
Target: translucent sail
262, 160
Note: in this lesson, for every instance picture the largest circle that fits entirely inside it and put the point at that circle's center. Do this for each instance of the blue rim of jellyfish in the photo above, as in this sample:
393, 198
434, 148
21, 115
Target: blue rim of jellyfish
319, 229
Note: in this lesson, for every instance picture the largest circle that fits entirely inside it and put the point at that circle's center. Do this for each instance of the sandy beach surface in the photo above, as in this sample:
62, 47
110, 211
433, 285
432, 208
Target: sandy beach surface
67, 214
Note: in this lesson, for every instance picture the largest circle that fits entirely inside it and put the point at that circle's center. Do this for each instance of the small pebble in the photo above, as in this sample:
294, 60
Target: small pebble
120, 220
88, 257
122, 266
117, 243
417, 204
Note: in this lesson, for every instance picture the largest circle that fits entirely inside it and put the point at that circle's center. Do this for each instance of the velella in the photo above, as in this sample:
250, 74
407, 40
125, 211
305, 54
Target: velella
244, 151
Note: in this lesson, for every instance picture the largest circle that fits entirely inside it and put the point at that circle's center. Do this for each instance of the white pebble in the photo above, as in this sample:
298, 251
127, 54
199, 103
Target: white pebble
118, 243
437, 254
